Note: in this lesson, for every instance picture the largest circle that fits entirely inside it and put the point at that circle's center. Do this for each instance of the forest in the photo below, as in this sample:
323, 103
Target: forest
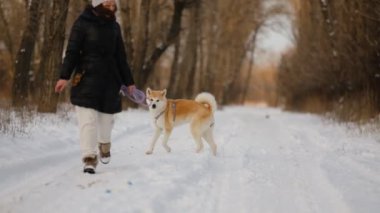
335, 65
189, 46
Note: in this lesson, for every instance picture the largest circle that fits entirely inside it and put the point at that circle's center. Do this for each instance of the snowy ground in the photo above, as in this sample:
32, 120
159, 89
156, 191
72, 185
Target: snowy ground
268, 161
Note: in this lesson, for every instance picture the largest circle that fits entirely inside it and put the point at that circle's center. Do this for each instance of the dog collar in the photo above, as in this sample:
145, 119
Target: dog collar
159, 115
174, 113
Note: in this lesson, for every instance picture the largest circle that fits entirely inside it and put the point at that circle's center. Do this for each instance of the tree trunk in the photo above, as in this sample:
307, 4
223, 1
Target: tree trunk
195, 43
175, 73
142, 44
212, 34
24, 56
125, 14
148, 66
187, 68
8, 37
52, 54
246, 86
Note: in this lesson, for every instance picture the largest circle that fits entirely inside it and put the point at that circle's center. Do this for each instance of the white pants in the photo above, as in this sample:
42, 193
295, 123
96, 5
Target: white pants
94, 127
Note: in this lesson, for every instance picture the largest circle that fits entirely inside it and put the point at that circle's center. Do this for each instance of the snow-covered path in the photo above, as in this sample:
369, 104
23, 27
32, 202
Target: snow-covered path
268, 161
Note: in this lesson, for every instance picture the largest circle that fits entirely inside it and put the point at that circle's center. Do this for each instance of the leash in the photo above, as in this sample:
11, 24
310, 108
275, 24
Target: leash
137, 96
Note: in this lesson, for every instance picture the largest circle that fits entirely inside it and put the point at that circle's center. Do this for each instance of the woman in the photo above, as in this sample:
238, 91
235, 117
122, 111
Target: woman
96, 52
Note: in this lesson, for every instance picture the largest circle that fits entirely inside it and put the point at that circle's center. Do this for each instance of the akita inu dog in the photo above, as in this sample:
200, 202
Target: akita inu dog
168, 113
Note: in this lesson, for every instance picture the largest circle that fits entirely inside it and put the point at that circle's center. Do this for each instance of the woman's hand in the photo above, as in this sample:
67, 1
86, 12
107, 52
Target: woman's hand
131, 89
61, 85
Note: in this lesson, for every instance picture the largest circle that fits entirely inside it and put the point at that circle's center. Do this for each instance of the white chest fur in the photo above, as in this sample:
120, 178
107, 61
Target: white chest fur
158, 118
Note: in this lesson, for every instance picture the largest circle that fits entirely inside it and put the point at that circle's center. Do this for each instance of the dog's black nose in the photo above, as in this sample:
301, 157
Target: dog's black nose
154, 106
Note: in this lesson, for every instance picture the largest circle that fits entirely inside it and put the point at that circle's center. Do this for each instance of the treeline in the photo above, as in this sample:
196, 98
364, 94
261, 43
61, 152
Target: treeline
335, 66
186, 46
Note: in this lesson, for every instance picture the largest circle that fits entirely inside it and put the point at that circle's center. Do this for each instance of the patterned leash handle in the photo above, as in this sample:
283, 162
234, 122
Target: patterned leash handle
138, 96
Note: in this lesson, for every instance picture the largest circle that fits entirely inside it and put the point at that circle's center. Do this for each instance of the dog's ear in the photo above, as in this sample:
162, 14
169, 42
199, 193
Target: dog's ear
148, 91
163, 93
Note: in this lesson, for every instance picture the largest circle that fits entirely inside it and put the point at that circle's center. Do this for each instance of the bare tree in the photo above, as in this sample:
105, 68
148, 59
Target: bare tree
24, 55
336, 58
52, 54
8, 37
126, 13
183, 80
148, 66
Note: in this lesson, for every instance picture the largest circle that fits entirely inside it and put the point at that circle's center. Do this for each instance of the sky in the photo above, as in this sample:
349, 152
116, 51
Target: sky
274, 39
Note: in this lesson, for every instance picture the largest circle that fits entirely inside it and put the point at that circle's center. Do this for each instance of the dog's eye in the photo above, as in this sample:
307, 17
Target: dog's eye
151, 99
158, 100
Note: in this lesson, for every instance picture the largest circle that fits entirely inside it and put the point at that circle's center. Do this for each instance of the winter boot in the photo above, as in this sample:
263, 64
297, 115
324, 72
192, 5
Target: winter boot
105, 152
90, 163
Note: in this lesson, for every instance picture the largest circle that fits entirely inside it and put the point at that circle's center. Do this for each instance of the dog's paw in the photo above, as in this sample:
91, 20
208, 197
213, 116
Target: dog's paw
149, 152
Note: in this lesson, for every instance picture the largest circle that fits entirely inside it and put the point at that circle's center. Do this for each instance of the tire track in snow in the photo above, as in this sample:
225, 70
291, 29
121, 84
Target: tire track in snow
226, 184
310, 179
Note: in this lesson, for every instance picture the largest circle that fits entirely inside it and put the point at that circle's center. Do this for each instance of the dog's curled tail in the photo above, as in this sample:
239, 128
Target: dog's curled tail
207, 98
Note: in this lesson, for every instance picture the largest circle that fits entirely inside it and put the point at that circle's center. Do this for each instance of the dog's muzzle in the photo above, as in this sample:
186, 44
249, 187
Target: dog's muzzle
154, 106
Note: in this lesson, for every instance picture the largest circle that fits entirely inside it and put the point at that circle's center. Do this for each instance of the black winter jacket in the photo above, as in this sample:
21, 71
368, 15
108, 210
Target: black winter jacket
96, 50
